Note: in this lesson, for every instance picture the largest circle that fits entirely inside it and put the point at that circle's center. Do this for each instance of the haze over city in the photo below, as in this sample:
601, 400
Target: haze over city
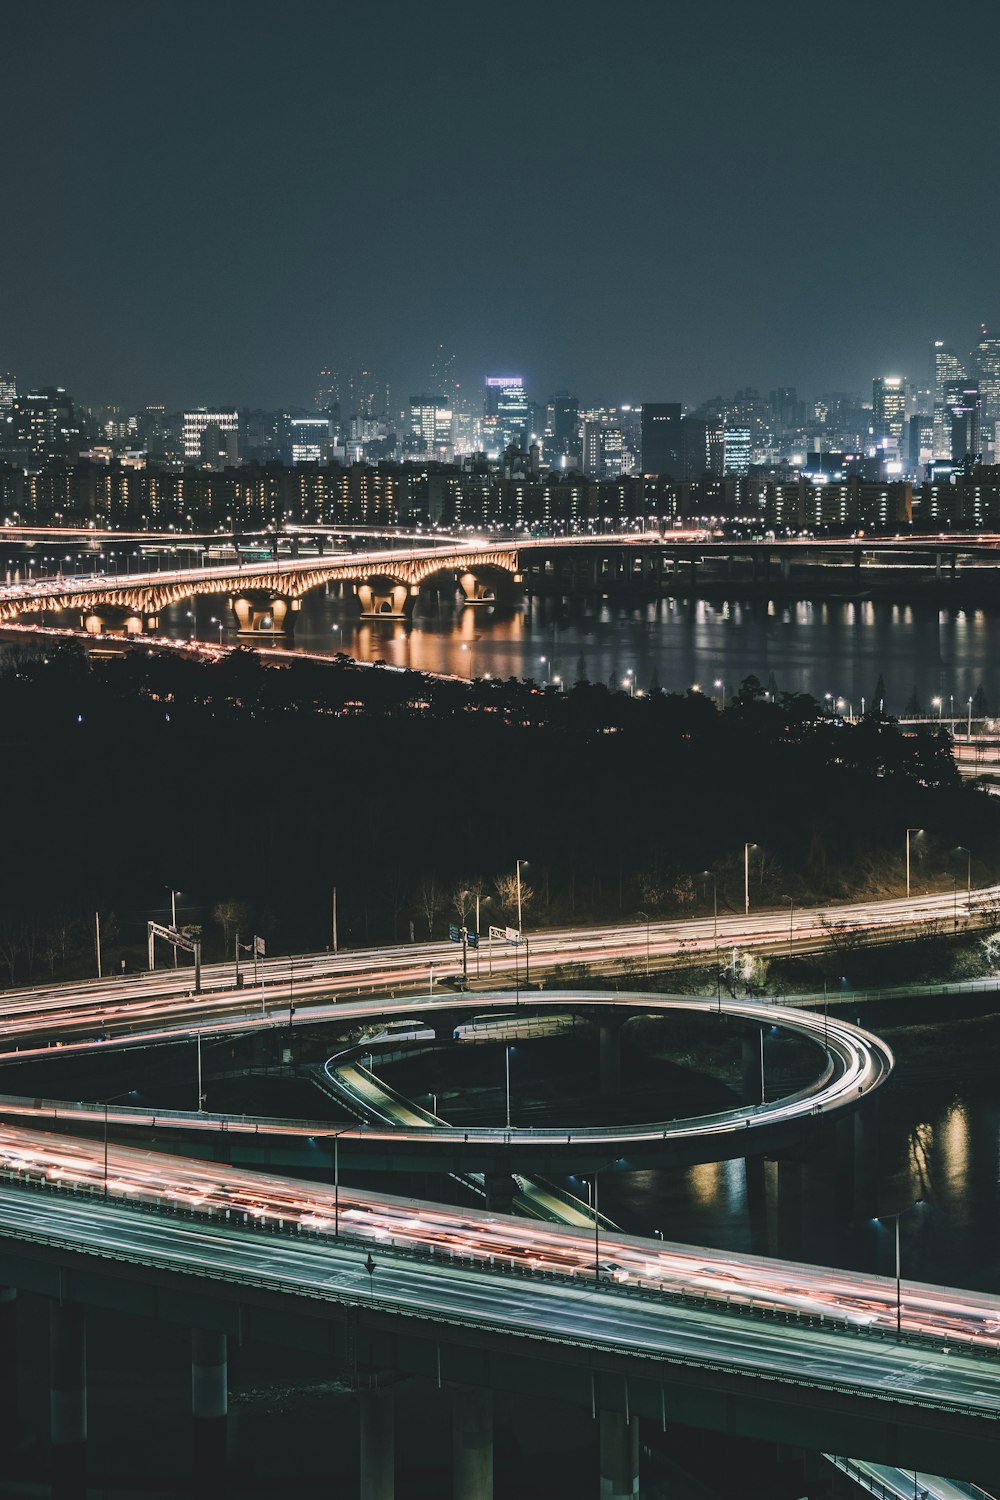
651, 202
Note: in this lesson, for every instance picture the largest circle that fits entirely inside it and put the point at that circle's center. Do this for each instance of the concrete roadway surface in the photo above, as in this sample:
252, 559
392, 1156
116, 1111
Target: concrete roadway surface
888, 1483
857, 1063
380, 1221
582, 1310
405, 967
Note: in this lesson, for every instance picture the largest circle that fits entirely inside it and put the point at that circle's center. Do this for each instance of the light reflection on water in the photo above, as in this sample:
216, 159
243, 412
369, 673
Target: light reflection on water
938, 1150
839, 647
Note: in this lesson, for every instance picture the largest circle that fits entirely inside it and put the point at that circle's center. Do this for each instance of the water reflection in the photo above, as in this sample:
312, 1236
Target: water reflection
840, 648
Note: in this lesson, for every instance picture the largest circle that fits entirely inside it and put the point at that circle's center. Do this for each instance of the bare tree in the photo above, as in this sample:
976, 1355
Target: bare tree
428, 901
232, 916
506, 889
463, 899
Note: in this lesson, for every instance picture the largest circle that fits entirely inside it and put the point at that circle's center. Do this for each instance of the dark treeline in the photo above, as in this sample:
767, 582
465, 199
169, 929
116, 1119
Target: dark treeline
255, 789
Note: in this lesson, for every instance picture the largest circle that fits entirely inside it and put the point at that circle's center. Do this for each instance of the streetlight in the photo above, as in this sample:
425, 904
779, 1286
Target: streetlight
961, 849
710, 875
937, 703
791, 920
506, 1069
630, 682
723, 698
173, 914
216, 621
644, 917
746, 877
908, 832
969, 730
517, 864
899, 1285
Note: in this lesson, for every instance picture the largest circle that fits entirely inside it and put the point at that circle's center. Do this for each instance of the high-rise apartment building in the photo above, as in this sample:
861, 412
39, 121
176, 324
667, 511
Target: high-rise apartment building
8, 393
888, 409
661, 437
193, 433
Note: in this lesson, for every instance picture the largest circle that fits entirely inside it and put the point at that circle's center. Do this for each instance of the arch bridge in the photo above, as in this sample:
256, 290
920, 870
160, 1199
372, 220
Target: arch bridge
265, 597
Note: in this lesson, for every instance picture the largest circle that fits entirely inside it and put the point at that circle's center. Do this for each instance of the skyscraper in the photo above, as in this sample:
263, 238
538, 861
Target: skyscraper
430, 424
225, 425
945, 367
8, 393
987, 361
736, 450
888, 408
964, 405
661, 437
443, 372
328, 392
369, 396
505, 411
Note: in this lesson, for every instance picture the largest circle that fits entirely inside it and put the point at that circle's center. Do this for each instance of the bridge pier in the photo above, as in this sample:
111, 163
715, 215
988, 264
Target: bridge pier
500, 1190
261, 616
788, 1217
866, 1159
611, 1060
752, 1066
209, 1409
755, 1172
472, 1444
8, 1367
377, 1407
619, 1456
383, 599
68, 1400
476, 591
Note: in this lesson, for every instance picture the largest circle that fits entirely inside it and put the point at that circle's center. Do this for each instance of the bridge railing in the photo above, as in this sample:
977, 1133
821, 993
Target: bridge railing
33, 1177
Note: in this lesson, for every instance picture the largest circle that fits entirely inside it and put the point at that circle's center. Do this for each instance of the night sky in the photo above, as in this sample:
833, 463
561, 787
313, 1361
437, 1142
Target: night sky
206, 200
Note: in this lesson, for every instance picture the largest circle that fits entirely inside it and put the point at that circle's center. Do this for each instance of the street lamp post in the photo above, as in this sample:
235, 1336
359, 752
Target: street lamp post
899, 1283
791, 922
506, 1062
173, 916
908, 832
715, 935
746, 877
969, 730
961, 849
517, 865
644, 917
723, 695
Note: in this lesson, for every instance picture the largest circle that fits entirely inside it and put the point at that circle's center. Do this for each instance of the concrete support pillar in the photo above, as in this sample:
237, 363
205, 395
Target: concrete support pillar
378, 1443
209, 1408
500, 1190
472, 1444
752, 1067
756, 1189
8, 1367
866, 1159
843, 1162
789, 1208
619, 1456
611, 1061
68, 1400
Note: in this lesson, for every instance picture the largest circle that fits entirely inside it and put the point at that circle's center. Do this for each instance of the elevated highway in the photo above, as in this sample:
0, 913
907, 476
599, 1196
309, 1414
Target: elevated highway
630, 1327
851, 1065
